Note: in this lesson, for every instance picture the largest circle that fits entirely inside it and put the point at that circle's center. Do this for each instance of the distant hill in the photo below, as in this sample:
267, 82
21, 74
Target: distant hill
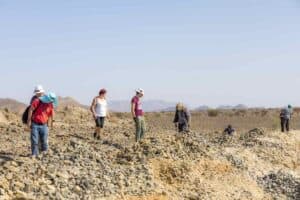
148, 106
228, 107
69, 101
12, 105
202, 108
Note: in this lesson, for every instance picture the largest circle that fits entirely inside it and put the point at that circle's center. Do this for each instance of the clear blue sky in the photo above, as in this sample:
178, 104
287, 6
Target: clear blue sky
200, 52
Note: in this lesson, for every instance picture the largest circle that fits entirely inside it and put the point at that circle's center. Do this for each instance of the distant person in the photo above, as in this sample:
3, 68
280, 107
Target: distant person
138, 114
285, 117
229, 130
182, 118
100, 112
40, 116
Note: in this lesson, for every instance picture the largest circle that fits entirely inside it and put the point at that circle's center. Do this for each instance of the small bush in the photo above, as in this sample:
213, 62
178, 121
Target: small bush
213, 113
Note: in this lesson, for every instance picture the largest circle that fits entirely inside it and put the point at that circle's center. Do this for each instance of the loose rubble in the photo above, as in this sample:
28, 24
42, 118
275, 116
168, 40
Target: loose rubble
165, 165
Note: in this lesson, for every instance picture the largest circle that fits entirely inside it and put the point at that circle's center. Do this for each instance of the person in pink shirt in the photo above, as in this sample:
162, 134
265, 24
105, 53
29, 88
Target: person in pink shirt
138, 114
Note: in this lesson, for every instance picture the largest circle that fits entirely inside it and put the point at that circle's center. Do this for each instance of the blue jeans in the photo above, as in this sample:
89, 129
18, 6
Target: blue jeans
39, 133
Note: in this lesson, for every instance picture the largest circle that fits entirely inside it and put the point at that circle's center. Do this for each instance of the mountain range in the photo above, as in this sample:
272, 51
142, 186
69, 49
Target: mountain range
115, 106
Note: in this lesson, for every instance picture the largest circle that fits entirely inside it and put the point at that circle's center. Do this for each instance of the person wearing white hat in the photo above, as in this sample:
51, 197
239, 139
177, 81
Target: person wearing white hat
38, 92
40, 116
138, 114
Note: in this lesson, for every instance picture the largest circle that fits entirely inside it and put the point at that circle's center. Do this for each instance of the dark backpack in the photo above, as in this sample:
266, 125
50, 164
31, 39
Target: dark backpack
25, 113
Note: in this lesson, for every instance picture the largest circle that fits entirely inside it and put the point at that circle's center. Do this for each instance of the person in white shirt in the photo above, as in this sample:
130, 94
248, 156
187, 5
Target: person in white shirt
100, 112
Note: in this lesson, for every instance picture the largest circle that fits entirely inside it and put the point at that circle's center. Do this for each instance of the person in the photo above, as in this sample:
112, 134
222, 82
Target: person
40, 116
182, 118
229, 130
285, 117
138, 114
38, 92
100, 112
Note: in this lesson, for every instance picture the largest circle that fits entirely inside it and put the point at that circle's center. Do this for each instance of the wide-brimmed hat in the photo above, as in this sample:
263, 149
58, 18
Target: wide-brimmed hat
50, 98
38, 89
140, 91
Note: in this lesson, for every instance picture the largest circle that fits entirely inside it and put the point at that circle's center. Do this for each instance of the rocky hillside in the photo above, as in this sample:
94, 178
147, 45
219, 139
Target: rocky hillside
255, 164
12, 105
69, 102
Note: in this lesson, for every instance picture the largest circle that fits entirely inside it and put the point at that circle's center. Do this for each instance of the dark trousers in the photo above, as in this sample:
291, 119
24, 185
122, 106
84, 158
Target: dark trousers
182, 127
285, 124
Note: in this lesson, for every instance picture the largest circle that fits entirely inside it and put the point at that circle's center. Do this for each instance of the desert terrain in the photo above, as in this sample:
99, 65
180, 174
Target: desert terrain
258, 162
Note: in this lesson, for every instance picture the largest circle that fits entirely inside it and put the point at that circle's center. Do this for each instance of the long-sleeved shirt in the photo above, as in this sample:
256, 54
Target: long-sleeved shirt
182, 117
286, 113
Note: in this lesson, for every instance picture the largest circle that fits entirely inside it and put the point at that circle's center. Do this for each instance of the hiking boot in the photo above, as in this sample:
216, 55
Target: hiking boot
95, 135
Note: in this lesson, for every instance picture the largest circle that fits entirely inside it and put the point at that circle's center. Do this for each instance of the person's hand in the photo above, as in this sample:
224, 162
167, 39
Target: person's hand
134, 118
94, 116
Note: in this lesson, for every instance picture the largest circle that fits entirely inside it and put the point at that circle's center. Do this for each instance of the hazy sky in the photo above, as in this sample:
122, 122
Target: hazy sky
200, 52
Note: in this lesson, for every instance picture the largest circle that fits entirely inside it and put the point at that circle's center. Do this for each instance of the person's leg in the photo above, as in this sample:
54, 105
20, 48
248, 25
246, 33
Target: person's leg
287, 125
143, 127
34, 136
102, 120
180, 128
282, 123
184, 128
95, 132
44, 137
138, 129
98, 128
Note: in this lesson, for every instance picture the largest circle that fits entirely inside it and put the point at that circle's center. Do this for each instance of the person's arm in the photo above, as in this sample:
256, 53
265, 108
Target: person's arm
51, 120
92, 108
175, 121
189, 117
29, 122
133, 110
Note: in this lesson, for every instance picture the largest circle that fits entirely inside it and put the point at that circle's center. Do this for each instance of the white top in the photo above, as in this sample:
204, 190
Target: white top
101, 107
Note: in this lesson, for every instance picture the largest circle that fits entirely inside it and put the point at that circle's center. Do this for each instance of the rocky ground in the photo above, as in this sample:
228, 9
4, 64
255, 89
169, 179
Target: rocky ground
254, 164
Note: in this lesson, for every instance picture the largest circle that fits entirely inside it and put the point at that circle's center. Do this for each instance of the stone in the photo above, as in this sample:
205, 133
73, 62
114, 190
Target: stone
18, 185
77, 189
51, 189
21, 195
9, 176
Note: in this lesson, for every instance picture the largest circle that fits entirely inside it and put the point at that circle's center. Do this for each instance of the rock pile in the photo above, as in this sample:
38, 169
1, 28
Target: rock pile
250, 138
281, 184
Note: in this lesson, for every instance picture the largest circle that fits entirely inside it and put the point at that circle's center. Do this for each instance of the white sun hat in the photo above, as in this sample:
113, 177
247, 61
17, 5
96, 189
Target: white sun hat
38, 89
140, 91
